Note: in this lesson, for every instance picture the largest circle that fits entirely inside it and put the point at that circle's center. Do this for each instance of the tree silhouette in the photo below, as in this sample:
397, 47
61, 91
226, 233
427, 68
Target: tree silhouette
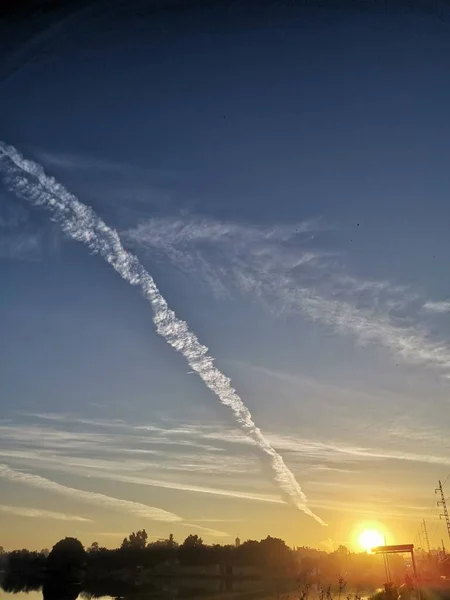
193, 552
192, 541
135, 541
67, 558
94, 547
275, 554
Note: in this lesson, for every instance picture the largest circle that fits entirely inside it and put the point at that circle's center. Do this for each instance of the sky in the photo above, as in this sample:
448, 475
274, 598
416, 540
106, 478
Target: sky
280, 171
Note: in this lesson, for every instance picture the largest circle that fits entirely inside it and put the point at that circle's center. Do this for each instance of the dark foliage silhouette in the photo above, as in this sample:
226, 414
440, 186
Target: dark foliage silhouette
67, 560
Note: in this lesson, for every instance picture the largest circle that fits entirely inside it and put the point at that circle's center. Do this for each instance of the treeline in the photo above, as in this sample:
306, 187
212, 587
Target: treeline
140, 564
269, 553
267, 557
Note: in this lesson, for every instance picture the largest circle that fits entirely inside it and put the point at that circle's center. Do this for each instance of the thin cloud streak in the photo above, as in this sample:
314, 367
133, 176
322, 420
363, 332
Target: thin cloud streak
141, 510
413, 346
119, 534
111, 470
226, 253
38, 513
437, 307
83, 162
275, 266
174, 485
332, 455
329, 451
164, 232
207, 530
219, 520
69, 418
339, 452
370, 511
82, 224
134, 508
21, 246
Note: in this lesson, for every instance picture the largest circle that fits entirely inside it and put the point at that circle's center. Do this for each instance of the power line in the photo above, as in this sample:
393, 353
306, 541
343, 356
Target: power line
434, 531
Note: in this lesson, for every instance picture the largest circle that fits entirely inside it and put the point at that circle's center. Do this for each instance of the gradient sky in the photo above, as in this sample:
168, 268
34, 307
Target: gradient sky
282, 172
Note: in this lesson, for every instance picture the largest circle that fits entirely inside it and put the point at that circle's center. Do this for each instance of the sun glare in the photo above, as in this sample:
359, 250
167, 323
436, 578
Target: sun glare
370, 538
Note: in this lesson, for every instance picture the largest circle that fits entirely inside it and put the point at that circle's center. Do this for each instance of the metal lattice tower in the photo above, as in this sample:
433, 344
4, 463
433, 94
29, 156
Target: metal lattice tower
425, 535
442, 503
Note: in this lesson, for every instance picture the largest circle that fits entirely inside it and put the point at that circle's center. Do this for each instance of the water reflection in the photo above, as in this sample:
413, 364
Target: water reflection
167, 589
161, 590
55, 590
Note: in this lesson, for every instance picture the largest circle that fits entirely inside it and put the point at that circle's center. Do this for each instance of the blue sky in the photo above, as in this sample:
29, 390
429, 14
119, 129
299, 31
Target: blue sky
282, 174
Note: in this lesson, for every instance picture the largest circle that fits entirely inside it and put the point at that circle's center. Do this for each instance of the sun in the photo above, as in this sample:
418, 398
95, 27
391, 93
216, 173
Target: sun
370, 538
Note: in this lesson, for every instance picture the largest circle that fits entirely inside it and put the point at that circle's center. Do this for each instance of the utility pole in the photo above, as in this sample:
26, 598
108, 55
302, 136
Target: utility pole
442, 503
425, 535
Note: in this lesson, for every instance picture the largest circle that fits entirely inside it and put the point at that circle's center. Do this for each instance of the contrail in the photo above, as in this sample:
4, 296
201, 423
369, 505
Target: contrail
38, 513
29, 181
135, 508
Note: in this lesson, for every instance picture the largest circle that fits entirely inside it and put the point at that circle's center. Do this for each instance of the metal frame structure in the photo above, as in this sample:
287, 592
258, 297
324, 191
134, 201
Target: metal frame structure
443, 503
401, 549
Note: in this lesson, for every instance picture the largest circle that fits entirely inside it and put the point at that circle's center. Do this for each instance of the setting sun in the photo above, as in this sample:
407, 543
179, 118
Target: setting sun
369, 538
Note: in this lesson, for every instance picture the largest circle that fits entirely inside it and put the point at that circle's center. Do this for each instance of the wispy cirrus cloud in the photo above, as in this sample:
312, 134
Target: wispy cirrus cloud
219, 520
329, 466
21, 246
71, 418
20, 238
17, 240
135, 474
412, 344
126, 186
39, 513
207, 530
115, 534
185, 487
225, 253
437, 307
228, 470
94, 498
12, 215
184, 454
285, 268
371, 510
88, 163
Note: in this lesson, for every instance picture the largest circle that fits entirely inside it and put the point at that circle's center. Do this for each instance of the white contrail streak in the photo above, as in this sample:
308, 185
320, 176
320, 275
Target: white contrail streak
38, 513
28, 180
135, 508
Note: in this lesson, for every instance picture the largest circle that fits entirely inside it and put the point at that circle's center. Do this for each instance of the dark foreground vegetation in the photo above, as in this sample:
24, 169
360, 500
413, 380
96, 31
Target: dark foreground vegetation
269, 565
